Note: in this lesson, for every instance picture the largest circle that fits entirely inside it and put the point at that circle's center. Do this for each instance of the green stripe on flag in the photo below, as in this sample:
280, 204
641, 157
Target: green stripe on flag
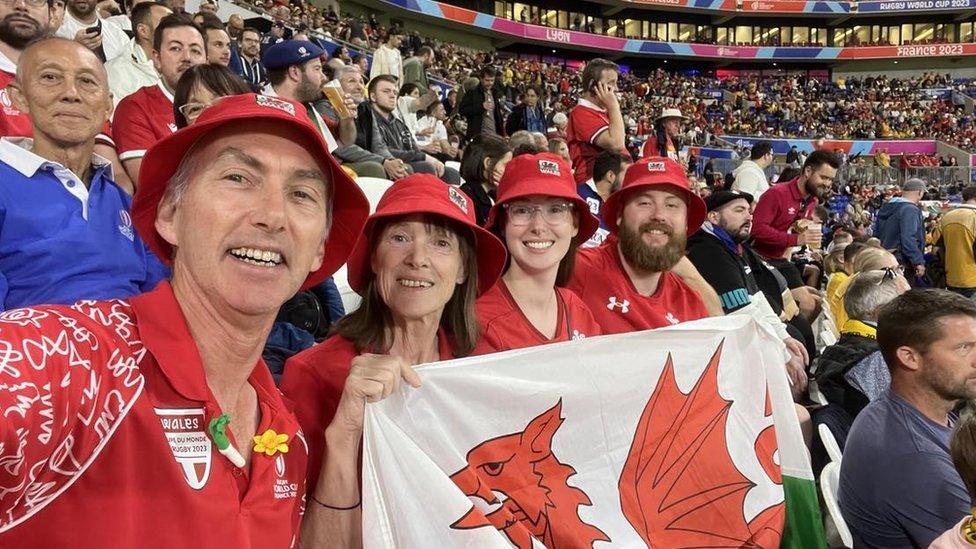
804, 525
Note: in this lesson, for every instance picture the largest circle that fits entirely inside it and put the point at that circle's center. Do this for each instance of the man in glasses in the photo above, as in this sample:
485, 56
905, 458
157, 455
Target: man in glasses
66, 230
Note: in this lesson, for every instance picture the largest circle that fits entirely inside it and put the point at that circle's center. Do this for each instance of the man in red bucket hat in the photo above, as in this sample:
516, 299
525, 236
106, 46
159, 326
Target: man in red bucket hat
153, 422
638, 278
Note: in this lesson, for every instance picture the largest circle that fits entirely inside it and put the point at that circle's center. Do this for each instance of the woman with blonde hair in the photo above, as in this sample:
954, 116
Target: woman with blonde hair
868, 259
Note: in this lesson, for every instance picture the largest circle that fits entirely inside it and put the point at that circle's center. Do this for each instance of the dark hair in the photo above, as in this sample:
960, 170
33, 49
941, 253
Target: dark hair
819, 158
487, 70
408, 88
473, 160
210, 21
969, 193
380, 78
594, 70
533, 87
425, 50
912, 320
525, 148
788, 174
251, 29
141, 15
172, 21
368, 327
216, 78
607, 161
760, 150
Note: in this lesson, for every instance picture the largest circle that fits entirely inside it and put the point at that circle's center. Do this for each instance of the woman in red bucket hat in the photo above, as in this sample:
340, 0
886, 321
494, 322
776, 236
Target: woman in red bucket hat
420, 263
542, 222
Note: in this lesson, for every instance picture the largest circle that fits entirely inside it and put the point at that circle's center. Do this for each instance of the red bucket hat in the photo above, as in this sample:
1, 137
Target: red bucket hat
544, 174
426, 194
655, 171
349, 206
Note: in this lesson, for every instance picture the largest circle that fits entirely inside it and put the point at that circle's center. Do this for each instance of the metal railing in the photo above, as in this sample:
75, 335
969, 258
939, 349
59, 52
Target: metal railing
874, 176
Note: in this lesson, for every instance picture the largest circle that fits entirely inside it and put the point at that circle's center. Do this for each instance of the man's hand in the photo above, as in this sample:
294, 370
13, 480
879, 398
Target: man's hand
371, 379
919, 270
90, 40
797, 375
394, 168
426, 131
350, 105
797, 350
607, 95
437, 164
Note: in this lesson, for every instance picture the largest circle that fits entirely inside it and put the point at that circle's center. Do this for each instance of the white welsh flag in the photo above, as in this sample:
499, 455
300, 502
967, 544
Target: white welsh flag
679, 437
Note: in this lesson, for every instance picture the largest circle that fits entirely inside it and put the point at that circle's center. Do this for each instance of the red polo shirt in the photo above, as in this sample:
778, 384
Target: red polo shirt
586, 123
313, 381
504, 325
104, 442
600, 280
142, 119
778, 208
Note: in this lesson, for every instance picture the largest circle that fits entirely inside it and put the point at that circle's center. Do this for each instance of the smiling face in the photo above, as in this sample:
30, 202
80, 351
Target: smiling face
64, 89
652, 229
417, 265
251, 223
538, 232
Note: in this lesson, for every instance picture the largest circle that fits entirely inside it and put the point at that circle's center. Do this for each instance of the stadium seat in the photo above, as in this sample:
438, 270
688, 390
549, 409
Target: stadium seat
373, 188
830, 443
829, 482
350, 299
456, 165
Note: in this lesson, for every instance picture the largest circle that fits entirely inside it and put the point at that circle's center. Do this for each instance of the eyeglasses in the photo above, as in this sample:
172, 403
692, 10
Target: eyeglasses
890, 273
553, 214
191, 111
31, 3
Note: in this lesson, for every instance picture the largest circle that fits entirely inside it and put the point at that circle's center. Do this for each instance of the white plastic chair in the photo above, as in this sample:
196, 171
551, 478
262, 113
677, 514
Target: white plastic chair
350, 299
373, 188
829, 482
830, 443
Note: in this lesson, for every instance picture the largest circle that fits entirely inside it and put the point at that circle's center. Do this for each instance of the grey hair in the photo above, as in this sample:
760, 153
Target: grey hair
868, 292
344, 69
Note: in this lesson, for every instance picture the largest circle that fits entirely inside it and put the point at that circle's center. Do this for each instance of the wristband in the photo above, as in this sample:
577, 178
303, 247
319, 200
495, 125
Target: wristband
334, 508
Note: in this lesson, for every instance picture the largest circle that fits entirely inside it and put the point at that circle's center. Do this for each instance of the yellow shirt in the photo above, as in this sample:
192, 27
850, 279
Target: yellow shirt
836, 287
958, 230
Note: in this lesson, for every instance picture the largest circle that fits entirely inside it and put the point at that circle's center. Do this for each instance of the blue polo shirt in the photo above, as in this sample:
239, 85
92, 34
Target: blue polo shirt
587, 191
60, 241
898, 487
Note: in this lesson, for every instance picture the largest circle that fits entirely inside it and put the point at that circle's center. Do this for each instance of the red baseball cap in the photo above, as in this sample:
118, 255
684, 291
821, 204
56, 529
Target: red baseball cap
655, 171
349, 206
543, 174
422, 193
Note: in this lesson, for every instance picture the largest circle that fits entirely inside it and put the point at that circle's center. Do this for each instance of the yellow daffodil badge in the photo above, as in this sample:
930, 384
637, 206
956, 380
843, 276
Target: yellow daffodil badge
269, 443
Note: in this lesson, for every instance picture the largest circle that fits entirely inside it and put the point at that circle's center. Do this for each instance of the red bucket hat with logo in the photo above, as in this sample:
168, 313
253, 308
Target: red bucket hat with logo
543, 174
655, 171
426, 194
349, 206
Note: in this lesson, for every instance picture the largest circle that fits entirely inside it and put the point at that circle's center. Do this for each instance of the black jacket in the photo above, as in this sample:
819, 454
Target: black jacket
482, 199
734, 277
472, 109
834, 362
519, 119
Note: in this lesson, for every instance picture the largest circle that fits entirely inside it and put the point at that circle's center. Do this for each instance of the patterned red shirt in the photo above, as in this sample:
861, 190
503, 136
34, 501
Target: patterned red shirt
104, 440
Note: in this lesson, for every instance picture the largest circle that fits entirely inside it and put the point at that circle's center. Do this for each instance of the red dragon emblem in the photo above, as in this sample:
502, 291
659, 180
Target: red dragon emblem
679, 485
539, 502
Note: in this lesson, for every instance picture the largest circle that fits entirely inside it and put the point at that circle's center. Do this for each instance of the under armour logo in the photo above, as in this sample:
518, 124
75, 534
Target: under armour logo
624, 305
670, 318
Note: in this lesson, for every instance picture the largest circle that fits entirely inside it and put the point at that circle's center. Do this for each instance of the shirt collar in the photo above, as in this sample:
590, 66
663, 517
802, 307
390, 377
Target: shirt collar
592, 184
162, 88
6, 65
17, 152
166, 336
590, 105
138, 54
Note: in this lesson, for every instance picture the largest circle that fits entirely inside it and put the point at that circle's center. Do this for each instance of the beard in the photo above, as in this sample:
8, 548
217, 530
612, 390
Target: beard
813, 190
308, 92
943, 384
79, 12
16, 36
648, 258
739, 234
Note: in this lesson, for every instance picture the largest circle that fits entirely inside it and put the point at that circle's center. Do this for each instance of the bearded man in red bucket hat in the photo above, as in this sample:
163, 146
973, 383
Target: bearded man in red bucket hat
639, 278
153, 422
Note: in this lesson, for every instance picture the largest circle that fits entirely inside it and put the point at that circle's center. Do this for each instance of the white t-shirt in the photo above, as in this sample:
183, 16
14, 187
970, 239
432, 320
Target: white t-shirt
115, 41
427, 122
